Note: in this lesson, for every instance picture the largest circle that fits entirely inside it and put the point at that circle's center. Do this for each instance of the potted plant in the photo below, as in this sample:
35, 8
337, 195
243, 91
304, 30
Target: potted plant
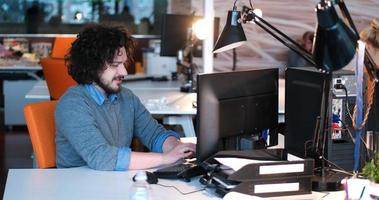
371, 169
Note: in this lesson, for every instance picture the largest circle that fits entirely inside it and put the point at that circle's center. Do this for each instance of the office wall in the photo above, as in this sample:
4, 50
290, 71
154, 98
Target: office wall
293, 17
179, 7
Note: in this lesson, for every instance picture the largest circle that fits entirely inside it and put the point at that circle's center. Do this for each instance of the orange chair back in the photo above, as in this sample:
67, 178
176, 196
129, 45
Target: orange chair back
61, 46
39, 118
57, 78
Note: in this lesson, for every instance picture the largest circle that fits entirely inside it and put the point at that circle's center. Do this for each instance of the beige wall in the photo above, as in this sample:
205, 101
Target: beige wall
180, 6
293, 17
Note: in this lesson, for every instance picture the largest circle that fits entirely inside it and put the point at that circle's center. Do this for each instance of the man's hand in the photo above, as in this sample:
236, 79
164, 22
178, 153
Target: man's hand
177, 152
180, 151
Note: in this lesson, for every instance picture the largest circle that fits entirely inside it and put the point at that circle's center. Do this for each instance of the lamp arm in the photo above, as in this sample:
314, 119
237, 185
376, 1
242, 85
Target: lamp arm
346, 14
283, 38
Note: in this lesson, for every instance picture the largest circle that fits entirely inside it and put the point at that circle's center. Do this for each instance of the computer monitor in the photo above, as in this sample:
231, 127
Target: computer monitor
233, 105
175, 33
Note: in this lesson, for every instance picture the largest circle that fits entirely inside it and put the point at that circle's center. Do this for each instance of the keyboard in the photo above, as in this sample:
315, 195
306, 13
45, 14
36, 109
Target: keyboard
183, 170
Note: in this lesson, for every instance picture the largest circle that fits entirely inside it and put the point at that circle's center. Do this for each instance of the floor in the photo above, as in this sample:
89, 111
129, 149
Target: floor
15, 150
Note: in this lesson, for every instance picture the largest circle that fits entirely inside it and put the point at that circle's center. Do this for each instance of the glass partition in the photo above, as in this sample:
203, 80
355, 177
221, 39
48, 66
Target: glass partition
69, 16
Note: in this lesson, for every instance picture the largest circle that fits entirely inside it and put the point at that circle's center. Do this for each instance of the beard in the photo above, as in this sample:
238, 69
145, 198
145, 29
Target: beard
107, 86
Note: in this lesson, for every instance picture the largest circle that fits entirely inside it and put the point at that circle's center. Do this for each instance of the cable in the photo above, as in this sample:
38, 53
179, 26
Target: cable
348, 112
347, 102
306, 146
210, 174
351, 135
340, 169
325, 195
369, 102
183, 193
349, 132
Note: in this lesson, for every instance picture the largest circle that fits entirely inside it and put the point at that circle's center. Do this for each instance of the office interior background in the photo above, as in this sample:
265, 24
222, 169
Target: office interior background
293, 17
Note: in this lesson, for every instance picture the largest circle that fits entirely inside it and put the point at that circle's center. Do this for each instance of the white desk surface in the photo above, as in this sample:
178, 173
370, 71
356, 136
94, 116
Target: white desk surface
29, 69
39, 91
19, 65
160, 98
178, 102
163, 97
85, 183
20, 68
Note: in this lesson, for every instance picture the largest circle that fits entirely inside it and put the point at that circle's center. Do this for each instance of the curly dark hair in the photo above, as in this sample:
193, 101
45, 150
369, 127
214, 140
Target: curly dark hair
95, 46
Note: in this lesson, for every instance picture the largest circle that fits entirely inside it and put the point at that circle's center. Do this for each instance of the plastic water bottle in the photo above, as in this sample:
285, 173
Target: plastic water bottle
140, 188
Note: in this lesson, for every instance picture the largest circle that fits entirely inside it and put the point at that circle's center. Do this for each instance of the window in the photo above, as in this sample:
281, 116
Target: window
69, 16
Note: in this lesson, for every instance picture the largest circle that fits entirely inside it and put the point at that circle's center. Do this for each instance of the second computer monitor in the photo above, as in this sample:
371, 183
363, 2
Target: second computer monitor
234, 104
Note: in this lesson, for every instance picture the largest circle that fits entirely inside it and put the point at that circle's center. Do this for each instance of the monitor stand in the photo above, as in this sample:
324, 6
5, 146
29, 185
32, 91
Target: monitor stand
327, 180
189, 85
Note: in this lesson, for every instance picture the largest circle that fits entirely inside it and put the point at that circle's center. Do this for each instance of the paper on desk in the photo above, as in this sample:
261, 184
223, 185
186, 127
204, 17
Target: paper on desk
238, 196
238, 163
188, 140
314, 195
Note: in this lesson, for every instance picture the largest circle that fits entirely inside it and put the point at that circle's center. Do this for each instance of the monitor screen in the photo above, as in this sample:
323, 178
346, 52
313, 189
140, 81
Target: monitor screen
233, 106
175, 32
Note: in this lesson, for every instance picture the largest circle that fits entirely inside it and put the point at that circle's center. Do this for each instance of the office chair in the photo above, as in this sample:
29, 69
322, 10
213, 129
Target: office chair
54, 69
56, 75
61, 46
39, 119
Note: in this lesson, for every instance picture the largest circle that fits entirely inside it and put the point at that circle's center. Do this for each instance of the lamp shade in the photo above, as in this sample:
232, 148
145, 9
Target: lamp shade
335, 43
233, 35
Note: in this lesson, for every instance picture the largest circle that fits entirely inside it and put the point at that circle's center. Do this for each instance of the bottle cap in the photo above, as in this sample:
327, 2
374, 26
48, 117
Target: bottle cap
141, 176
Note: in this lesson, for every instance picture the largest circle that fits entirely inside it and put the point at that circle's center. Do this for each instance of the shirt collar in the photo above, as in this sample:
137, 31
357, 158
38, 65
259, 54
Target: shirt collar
98, 96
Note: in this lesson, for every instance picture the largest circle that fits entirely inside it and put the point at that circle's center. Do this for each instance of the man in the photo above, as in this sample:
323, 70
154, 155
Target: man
97, 119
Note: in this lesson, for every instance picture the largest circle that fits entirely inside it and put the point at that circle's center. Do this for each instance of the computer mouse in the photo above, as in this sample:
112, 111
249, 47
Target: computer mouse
151, 178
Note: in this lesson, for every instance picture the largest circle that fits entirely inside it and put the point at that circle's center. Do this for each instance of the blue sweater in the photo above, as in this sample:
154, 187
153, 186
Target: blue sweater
97, 131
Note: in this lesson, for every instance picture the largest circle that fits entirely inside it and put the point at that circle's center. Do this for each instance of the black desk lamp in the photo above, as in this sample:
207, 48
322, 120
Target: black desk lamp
334, 47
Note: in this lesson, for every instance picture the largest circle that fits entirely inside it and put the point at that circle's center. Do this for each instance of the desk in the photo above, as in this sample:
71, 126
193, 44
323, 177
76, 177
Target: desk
164, 98
85, 183
18, 66
17, 77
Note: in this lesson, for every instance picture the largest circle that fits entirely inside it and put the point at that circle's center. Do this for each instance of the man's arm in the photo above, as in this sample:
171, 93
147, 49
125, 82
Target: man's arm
152, 134
157, 139
139, 160
170, 143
